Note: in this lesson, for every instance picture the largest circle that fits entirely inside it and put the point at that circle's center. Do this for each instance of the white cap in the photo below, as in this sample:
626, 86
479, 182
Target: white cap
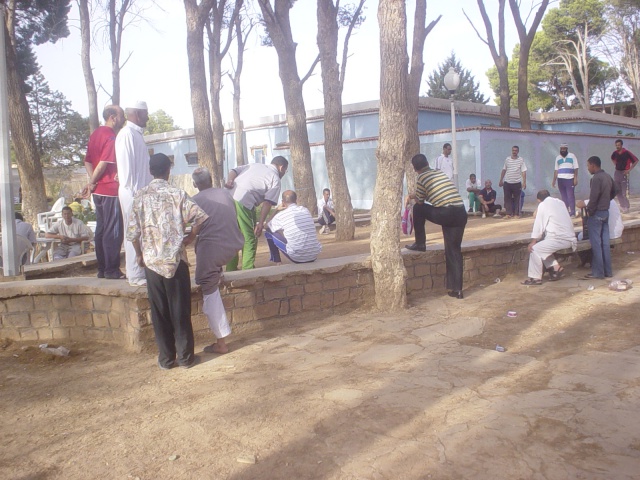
139, 105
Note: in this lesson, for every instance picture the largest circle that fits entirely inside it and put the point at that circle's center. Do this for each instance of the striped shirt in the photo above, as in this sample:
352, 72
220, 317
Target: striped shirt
566, 166
514, 168
298, 229
434, 187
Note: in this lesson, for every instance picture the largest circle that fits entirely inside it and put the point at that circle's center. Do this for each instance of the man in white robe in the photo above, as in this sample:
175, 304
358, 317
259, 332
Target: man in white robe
132, 159
552, 231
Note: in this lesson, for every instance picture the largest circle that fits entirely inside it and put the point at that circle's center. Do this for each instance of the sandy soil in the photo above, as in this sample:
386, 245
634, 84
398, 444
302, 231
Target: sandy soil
416, 395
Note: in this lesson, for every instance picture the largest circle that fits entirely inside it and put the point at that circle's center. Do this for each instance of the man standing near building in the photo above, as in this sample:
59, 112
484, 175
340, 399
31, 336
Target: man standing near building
624, 161
603, 190
566, 175
254, 185
513, 179
439, 202
444, 163
156, 230
292, 232
100, 163
218, 242
552, 231
132, 158
326, 211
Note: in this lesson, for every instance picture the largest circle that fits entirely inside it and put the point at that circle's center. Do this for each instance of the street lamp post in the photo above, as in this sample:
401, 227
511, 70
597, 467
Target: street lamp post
452, 82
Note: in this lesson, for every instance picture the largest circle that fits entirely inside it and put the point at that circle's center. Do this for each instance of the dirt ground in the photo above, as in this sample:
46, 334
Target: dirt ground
417, 395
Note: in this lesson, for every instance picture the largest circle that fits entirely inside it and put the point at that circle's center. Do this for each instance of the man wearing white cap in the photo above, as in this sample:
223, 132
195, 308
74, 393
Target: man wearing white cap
566, 174
132, 158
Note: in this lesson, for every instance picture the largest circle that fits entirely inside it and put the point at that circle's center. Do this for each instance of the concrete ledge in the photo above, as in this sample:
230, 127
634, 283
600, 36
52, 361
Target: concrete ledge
112, 311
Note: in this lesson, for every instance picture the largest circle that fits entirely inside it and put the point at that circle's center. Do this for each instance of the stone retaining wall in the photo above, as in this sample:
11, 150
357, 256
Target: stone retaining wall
55, 310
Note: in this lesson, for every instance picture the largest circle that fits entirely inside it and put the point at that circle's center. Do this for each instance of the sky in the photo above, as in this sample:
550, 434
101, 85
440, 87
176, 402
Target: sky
157, 69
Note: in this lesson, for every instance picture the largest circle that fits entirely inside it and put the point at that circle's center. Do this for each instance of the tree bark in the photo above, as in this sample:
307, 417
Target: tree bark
217, 51
420, 32
85, 56
499, 55
332, 91
526, 40
279, 27
34, 198
238, 126
388, 268
196, 18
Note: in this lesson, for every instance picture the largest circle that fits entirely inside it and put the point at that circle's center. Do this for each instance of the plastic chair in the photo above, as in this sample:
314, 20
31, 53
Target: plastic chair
23, 249
45, 219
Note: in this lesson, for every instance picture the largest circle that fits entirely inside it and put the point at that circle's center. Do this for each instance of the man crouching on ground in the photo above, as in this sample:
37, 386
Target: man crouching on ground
156, 229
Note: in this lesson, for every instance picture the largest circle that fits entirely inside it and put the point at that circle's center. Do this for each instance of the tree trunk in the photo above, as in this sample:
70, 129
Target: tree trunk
332, 91
215, 84
196, 16
115, 34
279, 28
238, 126
505, 94
85, 55
420, 32
34, 198
388, 268
526, 40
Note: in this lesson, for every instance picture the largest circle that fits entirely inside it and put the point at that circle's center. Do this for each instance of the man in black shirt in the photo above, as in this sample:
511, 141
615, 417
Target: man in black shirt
624, 161
602, 192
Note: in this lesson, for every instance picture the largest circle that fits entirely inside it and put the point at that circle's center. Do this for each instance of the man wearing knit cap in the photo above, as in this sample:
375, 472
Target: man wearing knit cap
566, 174
132, 158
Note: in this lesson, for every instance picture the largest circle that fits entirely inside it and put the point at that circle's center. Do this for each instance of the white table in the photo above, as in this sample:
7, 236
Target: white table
44, 246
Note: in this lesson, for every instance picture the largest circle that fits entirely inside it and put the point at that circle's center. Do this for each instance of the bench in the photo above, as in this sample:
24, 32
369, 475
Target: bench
583, 250
584, 245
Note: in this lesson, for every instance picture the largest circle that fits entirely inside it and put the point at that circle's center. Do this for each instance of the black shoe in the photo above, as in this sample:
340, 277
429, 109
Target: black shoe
115, 276
455, 294
416, 247
166, 367
100, 274
193, 363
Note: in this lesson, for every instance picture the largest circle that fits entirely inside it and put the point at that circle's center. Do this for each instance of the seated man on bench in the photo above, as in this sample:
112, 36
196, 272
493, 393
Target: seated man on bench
292, 232
552, 231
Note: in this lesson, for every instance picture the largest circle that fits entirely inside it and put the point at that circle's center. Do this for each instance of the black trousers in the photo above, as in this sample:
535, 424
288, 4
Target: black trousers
109, 234
452, 220
170, 300
512, 193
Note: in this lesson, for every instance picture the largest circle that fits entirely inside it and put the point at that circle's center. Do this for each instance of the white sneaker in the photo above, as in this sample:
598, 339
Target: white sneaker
138, 282
484, 215
497, 215
326, 230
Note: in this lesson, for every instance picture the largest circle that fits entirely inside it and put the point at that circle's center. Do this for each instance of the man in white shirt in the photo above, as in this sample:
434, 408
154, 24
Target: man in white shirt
132, 159
566, 176
552, 231
444, 162
25, 229
254, 185
473, 188
71, 232
292, 232
513, 179
326, 210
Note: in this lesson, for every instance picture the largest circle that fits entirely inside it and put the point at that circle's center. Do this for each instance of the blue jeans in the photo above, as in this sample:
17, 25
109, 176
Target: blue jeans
598, 225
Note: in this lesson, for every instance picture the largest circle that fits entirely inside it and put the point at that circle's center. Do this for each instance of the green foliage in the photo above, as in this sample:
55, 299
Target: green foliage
61, 133
160, 122
469, 89
38, 22
564, 23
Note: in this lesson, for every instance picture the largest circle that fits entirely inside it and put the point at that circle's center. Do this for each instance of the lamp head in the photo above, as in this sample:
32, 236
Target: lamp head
452, 80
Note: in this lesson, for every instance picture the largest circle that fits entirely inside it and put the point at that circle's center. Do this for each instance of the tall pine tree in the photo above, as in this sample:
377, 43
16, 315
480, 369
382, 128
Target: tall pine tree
469, 89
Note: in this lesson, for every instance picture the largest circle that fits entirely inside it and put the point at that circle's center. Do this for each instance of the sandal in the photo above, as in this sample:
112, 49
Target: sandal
532, 281
556, 275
